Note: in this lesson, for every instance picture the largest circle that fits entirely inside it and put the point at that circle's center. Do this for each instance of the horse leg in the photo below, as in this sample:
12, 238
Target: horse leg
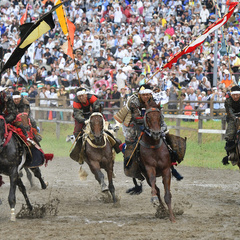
22, 189
12, 193
37, 174
151, 173
159, 198
29, 176
168, 196
98, 176
110, 184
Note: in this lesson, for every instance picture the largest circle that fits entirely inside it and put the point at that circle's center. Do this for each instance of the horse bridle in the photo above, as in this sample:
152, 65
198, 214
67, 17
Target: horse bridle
151, 133
101, 133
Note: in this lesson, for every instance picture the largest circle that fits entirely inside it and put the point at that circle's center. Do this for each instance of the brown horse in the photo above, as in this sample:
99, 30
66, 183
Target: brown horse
155, 159
99, 154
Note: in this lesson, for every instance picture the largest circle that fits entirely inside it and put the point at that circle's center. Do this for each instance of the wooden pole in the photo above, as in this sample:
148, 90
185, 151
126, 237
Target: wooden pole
68, 38
200, 126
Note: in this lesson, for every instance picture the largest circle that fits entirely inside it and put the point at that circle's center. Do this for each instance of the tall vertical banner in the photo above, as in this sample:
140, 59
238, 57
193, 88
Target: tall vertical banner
68, 29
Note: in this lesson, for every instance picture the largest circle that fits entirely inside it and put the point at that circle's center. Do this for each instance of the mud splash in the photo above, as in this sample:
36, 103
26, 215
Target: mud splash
39, 210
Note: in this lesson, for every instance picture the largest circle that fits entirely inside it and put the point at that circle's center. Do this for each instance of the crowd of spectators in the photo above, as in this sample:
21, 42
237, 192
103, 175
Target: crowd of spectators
119, 45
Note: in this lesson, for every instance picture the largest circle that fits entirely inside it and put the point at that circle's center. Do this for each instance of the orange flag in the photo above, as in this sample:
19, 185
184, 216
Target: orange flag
44, 2
61, 17
24, 16
67, 47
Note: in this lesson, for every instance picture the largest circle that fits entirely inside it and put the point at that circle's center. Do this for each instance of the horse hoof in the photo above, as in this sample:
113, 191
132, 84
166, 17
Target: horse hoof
172, 219
155, 201
13, 217
104, 188
46, 183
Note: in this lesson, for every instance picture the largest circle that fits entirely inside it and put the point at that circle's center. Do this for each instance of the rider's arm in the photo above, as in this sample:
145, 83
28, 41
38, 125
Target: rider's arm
78, 112
136, 115
229, 109
95, 103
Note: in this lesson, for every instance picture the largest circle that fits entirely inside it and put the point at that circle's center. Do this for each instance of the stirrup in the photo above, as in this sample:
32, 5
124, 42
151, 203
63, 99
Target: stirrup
232, 158
30, 141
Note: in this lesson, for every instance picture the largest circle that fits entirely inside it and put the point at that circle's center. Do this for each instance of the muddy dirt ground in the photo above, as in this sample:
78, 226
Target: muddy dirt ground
207, 204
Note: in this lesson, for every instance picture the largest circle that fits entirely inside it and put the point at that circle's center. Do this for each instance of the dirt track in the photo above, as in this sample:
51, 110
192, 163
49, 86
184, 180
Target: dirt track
209, 200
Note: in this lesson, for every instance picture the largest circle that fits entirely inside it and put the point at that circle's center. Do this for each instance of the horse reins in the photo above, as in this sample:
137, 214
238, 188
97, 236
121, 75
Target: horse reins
139, 138
135, 148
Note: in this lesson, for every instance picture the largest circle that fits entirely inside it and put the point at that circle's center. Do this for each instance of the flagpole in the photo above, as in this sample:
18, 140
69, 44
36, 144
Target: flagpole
219, 15
19, 62
69, 40
215, 49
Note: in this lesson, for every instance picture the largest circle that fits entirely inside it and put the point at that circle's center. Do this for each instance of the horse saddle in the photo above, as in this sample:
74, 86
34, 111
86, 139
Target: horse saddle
178, 146
74, 154
132, 166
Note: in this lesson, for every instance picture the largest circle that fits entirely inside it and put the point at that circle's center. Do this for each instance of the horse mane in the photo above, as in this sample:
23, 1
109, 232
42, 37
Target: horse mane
153, 104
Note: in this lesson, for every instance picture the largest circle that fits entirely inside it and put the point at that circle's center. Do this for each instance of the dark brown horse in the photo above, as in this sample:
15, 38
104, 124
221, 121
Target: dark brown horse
12, 158
155, 159
238, 141
99, 154
235, 155
25, 121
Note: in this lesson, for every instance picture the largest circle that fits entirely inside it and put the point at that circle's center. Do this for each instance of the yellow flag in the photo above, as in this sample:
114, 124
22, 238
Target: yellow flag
61, 17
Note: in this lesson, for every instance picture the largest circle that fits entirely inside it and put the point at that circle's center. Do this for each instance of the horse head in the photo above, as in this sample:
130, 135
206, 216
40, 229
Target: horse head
152, 120
22, 118
3, 132
96, 126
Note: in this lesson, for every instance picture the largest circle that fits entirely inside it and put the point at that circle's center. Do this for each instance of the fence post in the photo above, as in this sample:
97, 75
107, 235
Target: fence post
37, 104
58, 129
200, 126
121, 102
178, 123
211, 108
180, 107
64, 106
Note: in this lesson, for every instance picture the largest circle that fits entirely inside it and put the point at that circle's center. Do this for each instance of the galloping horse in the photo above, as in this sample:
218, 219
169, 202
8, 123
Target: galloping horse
23, 118
99, 154
155, 159
12, 158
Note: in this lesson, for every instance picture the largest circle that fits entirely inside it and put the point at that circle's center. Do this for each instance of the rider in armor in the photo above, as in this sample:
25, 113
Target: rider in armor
137, 105
22, 106
133, 125
232, 105
7, 106
83, 104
